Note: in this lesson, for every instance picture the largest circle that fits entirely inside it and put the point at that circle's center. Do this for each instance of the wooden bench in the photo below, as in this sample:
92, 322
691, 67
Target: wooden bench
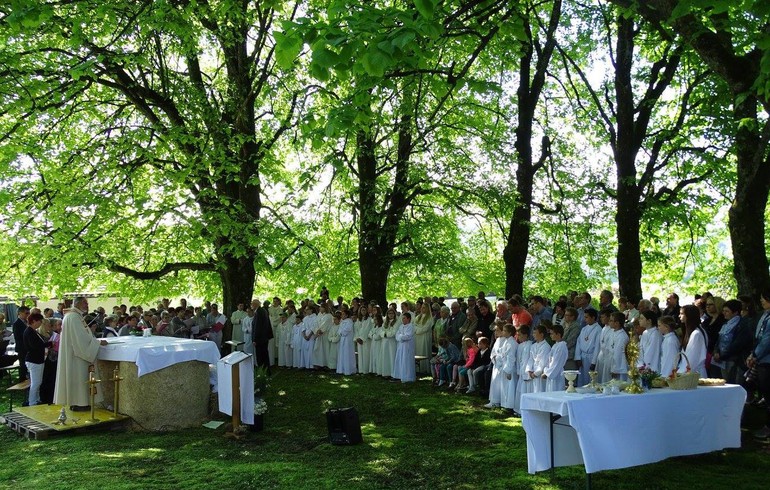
21, 386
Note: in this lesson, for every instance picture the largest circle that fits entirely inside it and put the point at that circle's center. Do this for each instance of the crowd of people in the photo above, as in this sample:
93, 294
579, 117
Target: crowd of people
499, 351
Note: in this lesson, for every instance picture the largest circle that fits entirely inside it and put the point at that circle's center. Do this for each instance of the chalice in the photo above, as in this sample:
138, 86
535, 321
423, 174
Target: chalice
571, 376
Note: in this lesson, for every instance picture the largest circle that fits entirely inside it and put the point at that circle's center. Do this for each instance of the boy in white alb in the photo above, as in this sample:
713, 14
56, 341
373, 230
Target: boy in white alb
333, 338
669, 350
587, 349
554, 372
618, 342
523, 366
540, 353
296, 342
650, 343
604, 361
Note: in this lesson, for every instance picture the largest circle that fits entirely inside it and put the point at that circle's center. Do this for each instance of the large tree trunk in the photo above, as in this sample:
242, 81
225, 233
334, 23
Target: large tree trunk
237, 275
628, 210
527, 94
747, 212
374, 276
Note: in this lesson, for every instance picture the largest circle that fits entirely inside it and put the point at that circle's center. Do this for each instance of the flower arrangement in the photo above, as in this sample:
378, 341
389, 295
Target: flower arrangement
260, 406
648, 375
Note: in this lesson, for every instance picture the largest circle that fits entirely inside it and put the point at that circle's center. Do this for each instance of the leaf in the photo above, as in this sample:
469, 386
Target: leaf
287, 49
375, 61
426, 8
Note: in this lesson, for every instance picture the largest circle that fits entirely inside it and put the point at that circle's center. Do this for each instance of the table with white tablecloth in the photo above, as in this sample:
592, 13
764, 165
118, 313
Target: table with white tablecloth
165, 380
606, 432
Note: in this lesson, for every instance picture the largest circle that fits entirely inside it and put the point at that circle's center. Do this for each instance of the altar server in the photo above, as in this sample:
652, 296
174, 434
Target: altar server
669, 351
604, 360
540, 354
618, 342
554, 372
587, 350
423, 336
375, 336
246, 327
524, 366
650, 342
496, 358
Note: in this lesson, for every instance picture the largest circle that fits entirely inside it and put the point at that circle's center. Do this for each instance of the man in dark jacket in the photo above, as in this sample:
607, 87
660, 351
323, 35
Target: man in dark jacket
262, 332
19, 326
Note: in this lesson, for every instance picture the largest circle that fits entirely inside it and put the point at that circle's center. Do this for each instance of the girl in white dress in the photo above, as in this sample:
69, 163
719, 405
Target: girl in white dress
695, 341
389, 329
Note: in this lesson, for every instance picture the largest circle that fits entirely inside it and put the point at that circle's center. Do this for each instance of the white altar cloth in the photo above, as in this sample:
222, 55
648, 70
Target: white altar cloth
606, 432
157, 352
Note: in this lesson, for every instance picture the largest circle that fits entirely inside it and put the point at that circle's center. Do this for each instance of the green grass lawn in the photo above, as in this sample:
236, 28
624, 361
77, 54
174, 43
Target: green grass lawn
415, 436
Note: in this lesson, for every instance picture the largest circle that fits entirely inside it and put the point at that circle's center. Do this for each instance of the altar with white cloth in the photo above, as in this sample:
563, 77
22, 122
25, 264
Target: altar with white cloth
606, 432
165, 380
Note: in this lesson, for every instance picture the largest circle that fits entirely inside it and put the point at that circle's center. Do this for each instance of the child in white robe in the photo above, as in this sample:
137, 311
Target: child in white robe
346, 355
650, 342
321, 346
333, 339
403, 366
296, 342
284, 335
363, 343
524, 366
308, 338
588, 346
540, 353
497, 360
604, 361
618, 342
389, 330
669, 350
554, 372
375, 337
510, 374
423, 337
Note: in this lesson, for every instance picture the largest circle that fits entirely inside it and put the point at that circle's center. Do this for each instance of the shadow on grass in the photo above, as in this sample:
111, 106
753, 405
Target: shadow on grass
415, 436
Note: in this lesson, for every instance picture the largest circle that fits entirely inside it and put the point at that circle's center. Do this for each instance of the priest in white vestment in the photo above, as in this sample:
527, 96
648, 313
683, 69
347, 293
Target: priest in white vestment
78, 349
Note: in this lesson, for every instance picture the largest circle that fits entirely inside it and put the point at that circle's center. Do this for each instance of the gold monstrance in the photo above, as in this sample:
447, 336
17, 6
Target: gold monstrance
632, 353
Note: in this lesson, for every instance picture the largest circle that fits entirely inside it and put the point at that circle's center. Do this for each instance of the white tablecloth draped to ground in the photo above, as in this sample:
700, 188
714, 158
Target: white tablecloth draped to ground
157, 352
606, 432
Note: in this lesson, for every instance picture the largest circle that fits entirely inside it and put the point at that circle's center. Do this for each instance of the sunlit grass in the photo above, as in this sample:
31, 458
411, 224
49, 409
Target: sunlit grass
415, 436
